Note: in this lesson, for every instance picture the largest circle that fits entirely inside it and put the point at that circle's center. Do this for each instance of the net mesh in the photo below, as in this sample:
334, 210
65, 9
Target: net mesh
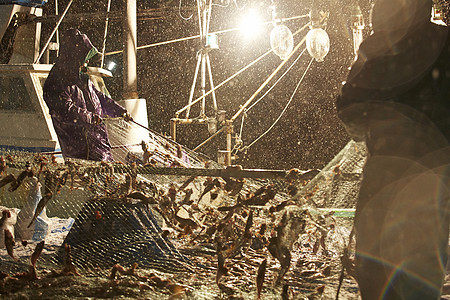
125, 213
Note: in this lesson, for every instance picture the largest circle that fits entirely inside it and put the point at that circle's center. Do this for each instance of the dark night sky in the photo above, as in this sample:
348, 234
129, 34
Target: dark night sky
308, 135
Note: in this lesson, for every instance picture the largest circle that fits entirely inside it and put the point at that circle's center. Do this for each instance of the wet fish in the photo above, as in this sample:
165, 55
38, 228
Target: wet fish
269, 193
281, 206
37, 252
10, 243
32, 275
187, 182
260, 277
187, 198
6, 214
237, 187
221, 268
179, 151
292, 175
69, 268
209, 185
2, 165
172, 192
40, 207
143, 197
186, 222
26, 173
255, 200
7, 179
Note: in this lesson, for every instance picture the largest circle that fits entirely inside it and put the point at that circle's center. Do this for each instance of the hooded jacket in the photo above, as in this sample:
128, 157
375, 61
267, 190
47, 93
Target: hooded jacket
73, 102
404, 64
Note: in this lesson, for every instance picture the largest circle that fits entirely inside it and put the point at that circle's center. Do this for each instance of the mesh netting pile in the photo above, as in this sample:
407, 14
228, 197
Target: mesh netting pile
115, 213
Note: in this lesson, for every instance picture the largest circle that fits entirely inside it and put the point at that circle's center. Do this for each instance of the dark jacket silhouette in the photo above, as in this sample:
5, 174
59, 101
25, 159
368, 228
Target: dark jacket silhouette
75, 105
397, 99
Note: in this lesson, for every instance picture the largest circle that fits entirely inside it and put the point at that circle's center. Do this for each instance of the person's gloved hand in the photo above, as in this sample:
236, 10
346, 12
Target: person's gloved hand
127, 117
97, 119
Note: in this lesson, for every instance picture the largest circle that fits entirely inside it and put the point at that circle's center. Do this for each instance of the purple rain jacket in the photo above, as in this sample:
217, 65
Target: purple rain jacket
73, 102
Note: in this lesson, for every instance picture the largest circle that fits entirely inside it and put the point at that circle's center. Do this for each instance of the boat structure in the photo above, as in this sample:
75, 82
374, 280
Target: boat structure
158, 196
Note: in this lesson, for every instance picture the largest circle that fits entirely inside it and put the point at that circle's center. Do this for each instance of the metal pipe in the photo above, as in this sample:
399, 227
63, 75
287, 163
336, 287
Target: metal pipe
57, 31
211, 83
234, 75
203, 88
229, 127
105, 34
53, 32
129, 58
243, 107
223, 82
200, 17
173, 129
191, 94
208, 139
209, 17
190, 38
204, 23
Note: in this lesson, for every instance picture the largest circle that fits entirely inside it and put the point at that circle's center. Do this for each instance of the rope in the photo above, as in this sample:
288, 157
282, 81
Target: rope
195, 36
285, 108
105, 34
236, 74
276, 82
53, 32
271, 75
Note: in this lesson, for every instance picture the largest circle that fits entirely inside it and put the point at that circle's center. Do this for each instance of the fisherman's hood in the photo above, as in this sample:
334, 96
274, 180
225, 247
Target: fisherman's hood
75, 50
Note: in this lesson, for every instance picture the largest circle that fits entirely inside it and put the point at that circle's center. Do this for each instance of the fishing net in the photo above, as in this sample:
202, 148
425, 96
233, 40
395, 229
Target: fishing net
337, 184
156, 211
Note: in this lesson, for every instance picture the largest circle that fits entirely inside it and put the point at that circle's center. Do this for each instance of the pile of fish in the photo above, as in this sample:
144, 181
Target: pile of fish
228, 228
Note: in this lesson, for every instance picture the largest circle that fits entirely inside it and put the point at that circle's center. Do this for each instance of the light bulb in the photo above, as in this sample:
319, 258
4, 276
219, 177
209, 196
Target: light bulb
318, 43
281, 41
111, 66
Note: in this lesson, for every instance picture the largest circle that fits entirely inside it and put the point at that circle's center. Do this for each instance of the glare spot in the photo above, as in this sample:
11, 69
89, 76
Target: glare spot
111, 65
250, 24
435, 73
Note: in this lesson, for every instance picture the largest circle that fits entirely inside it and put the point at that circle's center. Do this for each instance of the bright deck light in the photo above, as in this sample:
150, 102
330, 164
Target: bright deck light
250, 24
111, 65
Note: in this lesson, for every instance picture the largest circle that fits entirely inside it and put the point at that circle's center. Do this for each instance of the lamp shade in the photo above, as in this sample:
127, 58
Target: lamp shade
318, 43
281, 41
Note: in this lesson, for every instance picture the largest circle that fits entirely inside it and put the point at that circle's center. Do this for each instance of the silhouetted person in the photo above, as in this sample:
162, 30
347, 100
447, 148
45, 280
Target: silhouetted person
76, 106
397, 99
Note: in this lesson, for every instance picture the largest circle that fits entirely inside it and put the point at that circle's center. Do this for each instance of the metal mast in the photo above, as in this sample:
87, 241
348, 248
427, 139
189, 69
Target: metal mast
204, 66
130, 49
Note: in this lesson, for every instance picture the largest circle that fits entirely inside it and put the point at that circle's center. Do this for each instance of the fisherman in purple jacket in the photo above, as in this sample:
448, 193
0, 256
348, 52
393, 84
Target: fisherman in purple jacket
76, 106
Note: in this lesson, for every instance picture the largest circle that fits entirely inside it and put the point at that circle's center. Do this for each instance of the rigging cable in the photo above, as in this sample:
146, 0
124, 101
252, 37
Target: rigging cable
268, 91
197, 36
239, 72
105, 34
223, 82
53, 32
285, 108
